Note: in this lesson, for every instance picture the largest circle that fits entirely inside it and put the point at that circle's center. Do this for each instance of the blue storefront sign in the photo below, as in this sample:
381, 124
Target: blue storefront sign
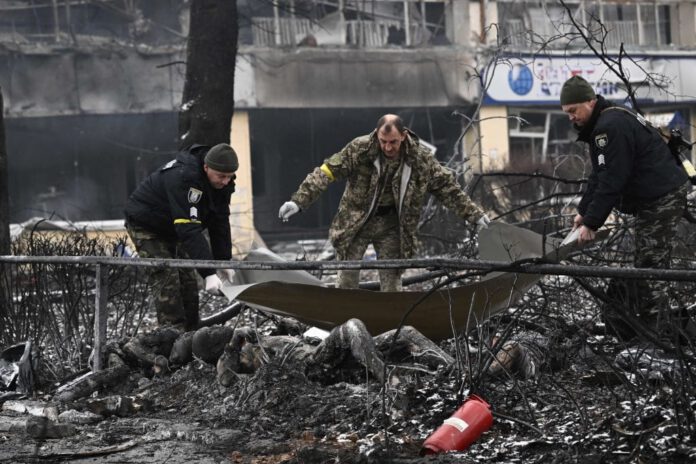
538, 81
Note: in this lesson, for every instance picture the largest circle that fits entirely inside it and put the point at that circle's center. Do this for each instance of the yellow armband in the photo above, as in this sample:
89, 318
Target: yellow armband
325, 169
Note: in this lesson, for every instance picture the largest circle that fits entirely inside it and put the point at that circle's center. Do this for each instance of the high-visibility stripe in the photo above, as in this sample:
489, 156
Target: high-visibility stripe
186, 221
325, 169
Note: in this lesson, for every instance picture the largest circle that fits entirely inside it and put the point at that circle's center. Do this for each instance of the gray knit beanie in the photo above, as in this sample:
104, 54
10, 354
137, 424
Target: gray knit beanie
576, 90
222, 158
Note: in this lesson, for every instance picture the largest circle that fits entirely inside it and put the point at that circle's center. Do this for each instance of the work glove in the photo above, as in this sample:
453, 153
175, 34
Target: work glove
213, 284
288, 209
226, 274
483, 222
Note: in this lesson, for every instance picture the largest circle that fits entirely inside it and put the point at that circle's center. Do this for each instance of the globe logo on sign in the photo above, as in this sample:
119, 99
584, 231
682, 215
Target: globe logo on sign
520, 79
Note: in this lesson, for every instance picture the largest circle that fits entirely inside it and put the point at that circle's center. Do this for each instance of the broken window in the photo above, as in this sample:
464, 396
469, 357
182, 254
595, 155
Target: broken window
153, 21
528, 139
633, 24
537, 137
358, 23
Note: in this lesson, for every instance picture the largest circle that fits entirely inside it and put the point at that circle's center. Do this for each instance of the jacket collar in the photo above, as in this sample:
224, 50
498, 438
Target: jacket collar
193, 154
585, 132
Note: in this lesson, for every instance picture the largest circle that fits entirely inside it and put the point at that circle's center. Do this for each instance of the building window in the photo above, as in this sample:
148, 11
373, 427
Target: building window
528, 138
636, 24
538, 137
523, 24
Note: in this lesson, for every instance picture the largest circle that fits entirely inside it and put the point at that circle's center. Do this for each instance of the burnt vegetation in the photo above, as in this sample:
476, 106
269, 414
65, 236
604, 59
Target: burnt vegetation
594, 393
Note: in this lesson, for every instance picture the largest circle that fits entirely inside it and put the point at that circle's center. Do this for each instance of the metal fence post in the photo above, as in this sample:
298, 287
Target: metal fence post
101, 294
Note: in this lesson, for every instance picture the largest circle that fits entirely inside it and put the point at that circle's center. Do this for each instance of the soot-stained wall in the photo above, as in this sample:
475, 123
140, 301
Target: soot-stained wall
83, 167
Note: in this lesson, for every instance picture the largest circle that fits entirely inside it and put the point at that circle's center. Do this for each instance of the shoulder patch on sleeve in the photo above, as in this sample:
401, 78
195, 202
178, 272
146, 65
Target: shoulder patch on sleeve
194, 195
601, 140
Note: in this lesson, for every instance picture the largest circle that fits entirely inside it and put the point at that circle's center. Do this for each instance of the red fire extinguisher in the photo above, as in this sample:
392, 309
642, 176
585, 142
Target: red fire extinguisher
461, 429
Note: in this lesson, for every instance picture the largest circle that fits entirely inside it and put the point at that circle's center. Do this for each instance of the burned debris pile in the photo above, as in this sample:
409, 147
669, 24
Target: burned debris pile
563, 385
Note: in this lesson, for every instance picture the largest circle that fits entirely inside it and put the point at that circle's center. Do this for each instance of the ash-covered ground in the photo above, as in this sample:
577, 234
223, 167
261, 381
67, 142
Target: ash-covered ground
578, 404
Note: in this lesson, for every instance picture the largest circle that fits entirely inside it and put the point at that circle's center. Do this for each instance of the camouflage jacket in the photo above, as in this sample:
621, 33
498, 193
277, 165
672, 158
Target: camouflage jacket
359, 163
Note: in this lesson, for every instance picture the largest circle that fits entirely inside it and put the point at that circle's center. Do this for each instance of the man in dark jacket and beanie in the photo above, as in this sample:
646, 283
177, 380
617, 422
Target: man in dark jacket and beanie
166, 217
632, 170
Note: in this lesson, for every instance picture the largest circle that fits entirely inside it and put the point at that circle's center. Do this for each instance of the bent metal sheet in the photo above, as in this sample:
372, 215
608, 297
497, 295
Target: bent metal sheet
436, 314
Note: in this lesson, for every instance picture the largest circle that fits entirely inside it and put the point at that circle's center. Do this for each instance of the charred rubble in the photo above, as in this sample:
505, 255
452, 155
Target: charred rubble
563, 385
256, 387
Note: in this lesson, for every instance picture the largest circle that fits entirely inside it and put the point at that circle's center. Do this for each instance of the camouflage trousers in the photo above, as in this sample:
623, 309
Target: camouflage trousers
383, 233
655, 231
175, 291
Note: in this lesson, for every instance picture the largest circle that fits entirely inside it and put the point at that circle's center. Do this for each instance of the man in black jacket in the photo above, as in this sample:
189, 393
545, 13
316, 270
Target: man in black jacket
166, 217
632, 170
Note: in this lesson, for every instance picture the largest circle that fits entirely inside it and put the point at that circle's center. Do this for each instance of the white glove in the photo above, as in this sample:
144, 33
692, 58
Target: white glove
288, 209
213, 284
483, 222
226, 274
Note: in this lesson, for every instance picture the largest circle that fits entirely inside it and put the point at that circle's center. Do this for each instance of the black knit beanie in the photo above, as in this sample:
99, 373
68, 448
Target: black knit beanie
576, 90
222, 158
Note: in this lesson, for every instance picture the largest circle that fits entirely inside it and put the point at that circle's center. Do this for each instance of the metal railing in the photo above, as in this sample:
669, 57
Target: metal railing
367, 33
530, 266
269, 32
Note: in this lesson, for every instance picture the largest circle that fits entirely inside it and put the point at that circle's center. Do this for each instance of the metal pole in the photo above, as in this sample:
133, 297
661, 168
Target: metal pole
342, 22
276, 22
68, 15
100, 315
527, 266
56, 22
294, 27
407, 24
424, 23
639, 26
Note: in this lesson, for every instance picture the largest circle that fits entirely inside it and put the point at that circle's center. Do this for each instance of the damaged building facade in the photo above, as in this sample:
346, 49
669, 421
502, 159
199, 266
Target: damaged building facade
92, 89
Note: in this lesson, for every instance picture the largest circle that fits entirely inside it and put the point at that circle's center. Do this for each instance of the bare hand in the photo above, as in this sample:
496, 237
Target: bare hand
586, 235
577, 221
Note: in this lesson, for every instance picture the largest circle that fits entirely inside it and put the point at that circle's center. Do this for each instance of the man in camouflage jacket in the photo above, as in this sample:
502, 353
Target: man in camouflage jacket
389, 174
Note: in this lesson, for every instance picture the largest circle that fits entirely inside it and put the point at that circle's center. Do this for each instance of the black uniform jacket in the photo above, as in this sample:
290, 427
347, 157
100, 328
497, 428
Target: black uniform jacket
177, 202
631, 164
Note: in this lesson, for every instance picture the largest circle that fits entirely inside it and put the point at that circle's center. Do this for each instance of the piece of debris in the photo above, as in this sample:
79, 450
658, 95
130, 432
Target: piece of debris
17, 368
649, 362
90, 382
43, 428
209, 342
121, 406
461, 429
182, 350
522, 355
73, 416
152, 349
34, 408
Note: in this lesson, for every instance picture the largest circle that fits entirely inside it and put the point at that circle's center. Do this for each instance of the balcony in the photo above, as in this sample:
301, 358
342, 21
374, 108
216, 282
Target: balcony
525, 25
362, 33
